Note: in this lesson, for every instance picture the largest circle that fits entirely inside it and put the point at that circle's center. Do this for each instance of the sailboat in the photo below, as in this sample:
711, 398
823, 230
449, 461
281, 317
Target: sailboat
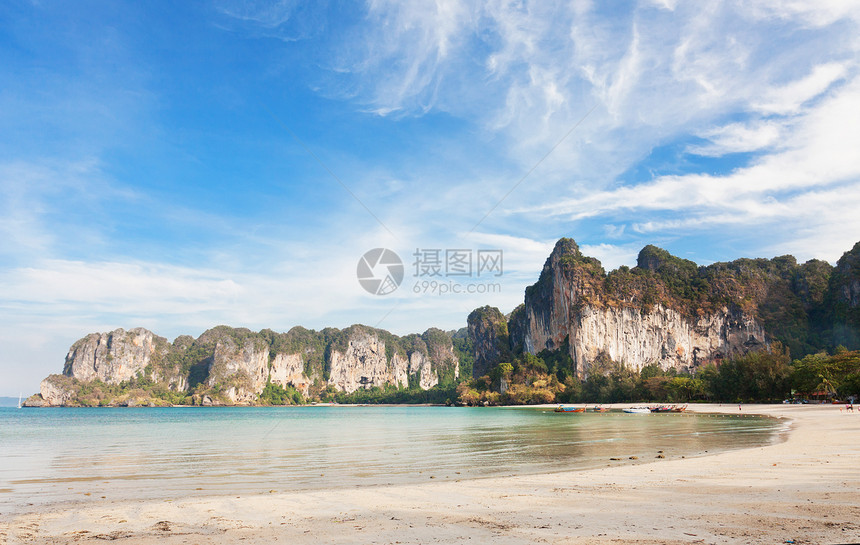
20, 396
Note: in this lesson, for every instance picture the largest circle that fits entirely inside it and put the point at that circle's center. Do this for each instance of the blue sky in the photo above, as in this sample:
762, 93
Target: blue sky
181, 166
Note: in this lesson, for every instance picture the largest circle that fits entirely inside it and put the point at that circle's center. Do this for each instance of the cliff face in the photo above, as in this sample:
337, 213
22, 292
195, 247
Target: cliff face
635, 338
245, 368
571, 306
669, 311
288, 370
488, 330
233, 366
113, 357
364, 364
55, 391
370, 359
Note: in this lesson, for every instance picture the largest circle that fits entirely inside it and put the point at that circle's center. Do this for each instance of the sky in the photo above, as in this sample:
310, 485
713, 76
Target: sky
180, 165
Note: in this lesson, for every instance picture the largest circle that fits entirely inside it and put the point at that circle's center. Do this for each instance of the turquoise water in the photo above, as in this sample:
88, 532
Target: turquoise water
52, 455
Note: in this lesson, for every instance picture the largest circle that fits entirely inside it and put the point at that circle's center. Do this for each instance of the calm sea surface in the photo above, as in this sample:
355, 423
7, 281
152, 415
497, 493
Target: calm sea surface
50, 455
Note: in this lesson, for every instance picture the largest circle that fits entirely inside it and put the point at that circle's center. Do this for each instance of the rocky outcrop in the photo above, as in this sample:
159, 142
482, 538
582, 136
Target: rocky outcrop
663, 336
637, 338
242, 369
422, 369
55, 390
364, 364
488, 329
113, 357
288, 370
631, 317
234, 365
367, 360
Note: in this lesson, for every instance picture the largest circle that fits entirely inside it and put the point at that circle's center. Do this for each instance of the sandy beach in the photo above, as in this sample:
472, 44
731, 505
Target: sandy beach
802, 489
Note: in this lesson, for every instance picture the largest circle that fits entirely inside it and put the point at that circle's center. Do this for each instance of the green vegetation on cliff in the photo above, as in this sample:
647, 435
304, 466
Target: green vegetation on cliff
764, 376
275, 394
488, 330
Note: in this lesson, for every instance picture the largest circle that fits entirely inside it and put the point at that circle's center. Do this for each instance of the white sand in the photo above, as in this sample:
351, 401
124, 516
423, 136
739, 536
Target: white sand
805, 489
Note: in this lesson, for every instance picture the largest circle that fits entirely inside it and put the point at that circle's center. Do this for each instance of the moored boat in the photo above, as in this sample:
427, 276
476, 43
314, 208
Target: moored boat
668, 409
638, 410
563, 409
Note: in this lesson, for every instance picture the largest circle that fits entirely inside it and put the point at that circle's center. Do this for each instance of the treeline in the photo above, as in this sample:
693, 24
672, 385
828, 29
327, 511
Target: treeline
392, 395
766, 376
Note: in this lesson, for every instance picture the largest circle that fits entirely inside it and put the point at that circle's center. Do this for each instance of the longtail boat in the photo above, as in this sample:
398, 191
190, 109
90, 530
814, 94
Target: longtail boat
668, 409
563, 409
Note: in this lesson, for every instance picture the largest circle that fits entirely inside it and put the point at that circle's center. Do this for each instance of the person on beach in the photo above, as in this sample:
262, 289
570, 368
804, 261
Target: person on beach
849, 407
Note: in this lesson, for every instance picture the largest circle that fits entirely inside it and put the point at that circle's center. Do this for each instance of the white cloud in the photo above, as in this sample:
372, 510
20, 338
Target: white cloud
789, 98
813, 180
41, 202
523, 257
738, 138
816, 14
610, 255
406, 51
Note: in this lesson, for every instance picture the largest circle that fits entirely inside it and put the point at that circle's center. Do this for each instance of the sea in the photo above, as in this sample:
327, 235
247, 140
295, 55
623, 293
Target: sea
62, 454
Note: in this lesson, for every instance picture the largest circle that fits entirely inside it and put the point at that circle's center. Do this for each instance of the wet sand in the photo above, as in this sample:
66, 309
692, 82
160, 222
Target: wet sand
805, 488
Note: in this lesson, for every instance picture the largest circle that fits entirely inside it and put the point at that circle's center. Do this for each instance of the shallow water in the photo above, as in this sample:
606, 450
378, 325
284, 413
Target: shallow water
51, 455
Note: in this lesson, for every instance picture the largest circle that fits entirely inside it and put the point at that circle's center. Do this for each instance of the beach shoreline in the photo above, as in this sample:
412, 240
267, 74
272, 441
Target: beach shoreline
802, 488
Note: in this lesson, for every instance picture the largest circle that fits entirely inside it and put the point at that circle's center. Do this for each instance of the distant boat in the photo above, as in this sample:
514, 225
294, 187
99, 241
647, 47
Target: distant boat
638, 410
668, 409
20, 396
563, 409
599, 409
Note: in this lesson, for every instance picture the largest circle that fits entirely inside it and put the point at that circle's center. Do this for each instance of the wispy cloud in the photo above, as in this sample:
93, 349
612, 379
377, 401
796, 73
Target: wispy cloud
738, 138
789, 98
814, 174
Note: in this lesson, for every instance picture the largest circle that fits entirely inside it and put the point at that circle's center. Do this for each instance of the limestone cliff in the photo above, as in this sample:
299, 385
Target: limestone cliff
233, 365
488, 329
242, 369
372, 359
113, 357
666, 310
364, 364
55, 391
288, 370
